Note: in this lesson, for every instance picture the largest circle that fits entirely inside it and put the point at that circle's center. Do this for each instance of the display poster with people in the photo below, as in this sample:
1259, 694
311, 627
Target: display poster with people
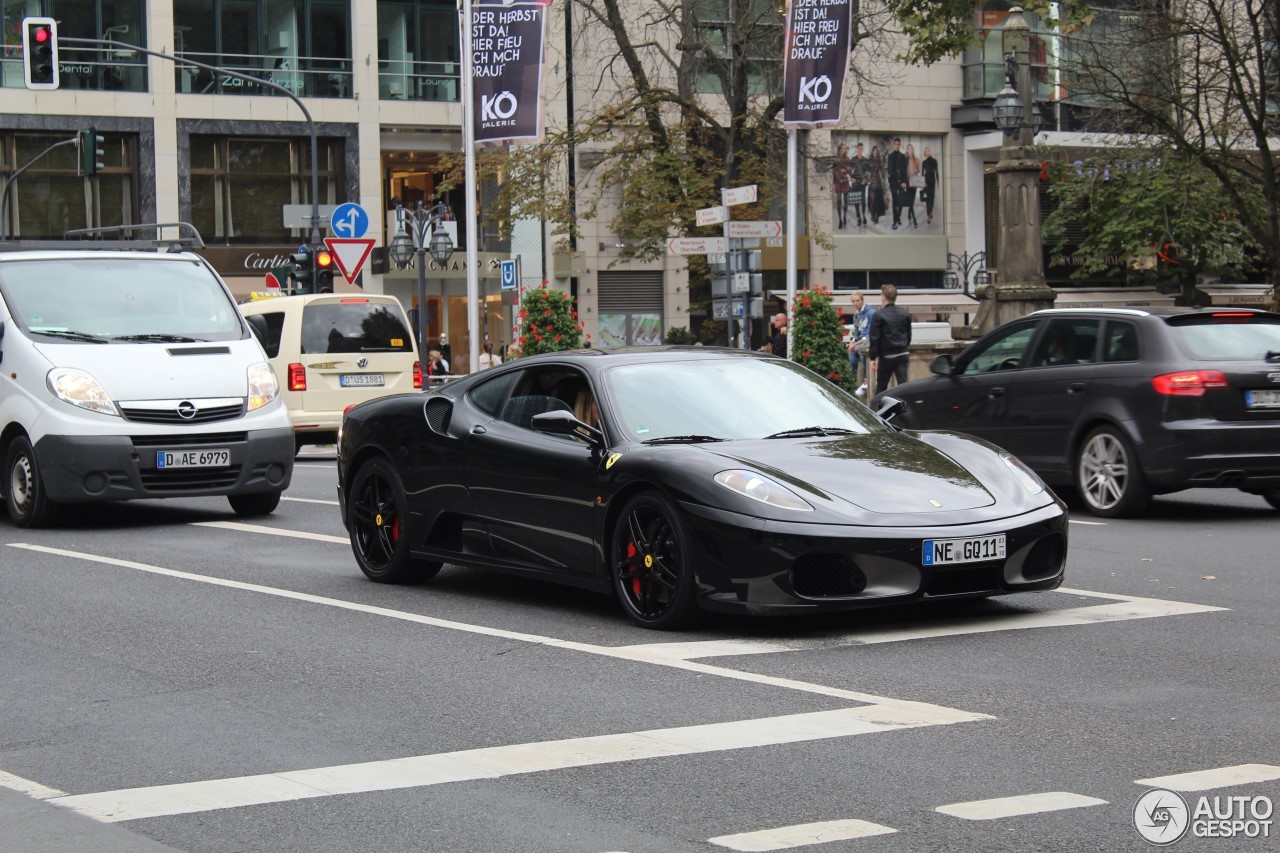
815, 61
886, 183
507, 40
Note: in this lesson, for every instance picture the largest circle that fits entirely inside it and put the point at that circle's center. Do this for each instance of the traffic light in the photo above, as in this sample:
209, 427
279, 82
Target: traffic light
90, 143
302, 270
323, 270
40, 52
281, 277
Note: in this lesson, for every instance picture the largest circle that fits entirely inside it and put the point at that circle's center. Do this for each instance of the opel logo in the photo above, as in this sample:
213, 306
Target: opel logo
1274, 377
362, 362
187, 410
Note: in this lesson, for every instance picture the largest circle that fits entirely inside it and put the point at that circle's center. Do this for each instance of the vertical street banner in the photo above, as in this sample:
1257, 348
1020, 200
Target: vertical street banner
507, 69
817, 56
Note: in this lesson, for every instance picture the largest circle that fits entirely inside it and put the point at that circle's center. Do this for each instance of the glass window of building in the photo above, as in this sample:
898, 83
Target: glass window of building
240, 185
50, 198
101, 68
757, 25
418, 51
303, 46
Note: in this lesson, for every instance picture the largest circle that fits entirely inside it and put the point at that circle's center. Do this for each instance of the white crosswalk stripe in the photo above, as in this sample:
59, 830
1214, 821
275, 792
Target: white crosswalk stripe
1023, 804
801, 835
1221, 777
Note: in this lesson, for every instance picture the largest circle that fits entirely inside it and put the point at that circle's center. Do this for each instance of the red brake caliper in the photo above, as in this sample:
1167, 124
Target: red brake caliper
395, 529
633, 568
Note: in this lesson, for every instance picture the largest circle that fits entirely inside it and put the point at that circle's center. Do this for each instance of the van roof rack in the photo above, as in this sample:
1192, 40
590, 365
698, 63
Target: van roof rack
184, 237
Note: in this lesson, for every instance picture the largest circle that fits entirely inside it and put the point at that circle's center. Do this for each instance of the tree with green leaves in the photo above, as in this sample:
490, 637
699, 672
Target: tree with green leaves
548, 322
815, 337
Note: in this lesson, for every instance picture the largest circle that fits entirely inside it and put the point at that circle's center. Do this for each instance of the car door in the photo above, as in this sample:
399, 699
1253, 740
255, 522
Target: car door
974, 399
1051, 391
535, 492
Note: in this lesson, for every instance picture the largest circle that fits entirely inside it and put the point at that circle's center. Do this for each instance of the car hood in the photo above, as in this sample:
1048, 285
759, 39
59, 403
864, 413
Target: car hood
880, 473
161, 371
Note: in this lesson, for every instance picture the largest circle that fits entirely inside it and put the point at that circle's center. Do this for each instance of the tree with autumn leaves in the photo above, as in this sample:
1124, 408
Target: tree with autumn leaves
815, 337
548, 322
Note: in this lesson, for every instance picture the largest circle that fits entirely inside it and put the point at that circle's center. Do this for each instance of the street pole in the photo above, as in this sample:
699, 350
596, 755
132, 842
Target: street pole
474, 311
311, 125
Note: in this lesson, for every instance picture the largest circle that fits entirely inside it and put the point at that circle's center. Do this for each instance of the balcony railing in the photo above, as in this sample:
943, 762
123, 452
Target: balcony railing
410, 80
305, 76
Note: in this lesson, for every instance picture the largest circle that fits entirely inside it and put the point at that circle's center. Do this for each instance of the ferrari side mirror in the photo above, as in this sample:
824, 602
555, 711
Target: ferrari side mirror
890, 408
564, 423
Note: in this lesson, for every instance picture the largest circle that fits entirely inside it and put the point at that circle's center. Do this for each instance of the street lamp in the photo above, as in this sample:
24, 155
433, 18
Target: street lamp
1009, 113
960, 267
411, 238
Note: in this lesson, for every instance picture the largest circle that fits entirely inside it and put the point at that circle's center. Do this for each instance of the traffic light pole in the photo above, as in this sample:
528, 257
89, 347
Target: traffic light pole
311, 125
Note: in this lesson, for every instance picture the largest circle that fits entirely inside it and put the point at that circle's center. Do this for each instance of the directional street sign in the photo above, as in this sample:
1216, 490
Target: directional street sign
349, 220
768, 228
508, 274
697, 245
710, 216
299, 215
350, 253
742, 282
739, 195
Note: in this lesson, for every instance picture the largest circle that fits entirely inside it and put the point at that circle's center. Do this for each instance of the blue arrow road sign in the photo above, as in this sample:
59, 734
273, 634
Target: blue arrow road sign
508, 274
349, 220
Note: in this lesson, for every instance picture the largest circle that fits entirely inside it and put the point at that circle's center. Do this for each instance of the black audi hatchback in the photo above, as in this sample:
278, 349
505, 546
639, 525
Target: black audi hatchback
1120, 403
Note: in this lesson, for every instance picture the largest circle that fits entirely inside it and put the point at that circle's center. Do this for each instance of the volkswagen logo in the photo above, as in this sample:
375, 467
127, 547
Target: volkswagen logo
187, 410
363, 362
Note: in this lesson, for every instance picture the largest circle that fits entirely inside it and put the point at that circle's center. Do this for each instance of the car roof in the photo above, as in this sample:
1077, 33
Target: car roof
63, 254
596, 359
1145, 311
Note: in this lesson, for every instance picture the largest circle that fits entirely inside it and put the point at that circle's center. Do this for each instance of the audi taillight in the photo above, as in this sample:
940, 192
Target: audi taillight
417, 374
297, 377
1189, 383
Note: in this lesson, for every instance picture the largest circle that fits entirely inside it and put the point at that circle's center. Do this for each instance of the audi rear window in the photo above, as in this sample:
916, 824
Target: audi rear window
355, 326
1227, 334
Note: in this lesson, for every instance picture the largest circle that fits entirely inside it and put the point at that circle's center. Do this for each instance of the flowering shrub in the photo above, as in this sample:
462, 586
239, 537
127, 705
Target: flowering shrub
815, 337
548, 322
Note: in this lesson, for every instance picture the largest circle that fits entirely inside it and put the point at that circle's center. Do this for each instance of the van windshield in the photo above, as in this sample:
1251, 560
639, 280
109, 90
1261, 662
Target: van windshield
354, 325
120, 300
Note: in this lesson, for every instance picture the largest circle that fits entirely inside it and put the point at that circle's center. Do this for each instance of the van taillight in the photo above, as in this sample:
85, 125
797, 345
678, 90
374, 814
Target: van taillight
297, 377
1189, 383
417, 374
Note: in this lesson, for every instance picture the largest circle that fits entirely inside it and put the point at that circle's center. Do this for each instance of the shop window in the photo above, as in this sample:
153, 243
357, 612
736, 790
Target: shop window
50, 198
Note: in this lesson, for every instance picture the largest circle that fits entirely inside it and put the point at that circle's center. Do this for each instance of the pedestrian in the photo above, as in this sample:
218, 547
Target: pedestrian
780, 334
889, 342
436, 367
446, 351
487, 358
862, 314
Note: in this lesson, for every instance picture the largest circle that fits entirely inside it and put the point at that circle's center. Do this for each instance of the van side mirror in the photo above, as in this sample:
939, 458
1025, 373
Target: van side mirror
258, 325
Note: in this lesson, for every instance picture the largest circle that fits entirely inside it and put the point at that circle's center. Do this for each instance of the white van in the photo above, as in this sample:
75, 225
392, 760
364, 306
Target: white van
332, 351
130, 374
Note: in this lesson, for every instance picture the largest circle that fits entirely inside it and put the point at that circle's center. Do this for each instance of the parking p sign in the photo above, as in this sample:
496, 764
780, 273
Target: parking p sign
508, 274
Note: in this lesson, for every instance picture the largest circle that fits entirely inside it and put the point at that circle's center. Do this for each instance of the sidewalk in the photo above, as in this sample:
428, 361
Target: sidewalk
36, 826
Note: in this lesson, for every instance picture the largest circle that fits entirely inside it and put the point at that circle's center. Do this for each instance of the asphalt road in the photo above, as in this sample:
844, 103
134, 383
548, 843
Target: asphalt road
173, 677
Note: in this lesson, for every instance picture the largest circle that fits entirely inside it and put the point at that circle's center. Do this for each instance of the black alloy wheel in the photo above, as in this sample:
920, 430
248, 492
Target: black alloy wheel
1109, 476
377, 519
28, 503
651, 572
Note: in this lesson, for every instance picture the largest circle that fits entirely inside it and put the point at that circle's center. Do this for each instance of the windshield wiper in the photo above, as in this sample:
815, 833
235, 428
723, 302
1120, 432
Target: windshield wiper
683, 439
156, 338
806, 432
71, 336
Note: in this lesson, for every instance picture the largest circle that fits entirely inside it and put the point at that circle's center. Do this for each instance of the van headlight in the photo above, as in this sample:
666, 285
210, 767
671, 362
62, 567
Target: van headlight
80, 389
760, 488
263, 385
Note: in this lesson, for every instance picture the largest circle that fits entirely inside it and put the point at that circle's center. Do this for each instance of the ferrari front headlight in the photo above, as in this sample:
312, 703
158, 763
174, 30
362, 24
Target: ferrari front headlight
79, 388
263, 385
760, 488
1028, 478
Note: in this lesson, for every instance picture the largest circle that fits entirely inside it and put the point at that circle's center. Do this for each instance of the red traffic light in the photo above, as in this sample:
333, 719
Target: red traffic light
324, 260
42, 35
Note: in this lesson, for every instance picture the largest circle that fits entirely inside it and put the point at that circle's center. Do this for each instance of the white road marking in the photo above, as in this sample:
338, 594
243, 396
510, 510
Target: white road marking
26, 786
1221, 777
309, 501
881, 709
273, 531
1124, 608
489, 763
1024, 804
801, 835
1089, 523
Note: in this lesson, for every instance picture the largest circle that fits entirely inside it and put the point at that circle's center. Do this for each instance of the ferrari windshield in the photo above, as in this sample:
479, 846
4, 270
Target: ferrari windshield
106, 299
731, 398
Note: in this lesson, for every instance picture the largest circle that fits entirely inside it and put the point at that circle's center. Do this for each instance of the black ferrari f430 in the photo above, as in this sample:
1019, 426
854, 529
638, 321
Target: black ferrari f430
689, 479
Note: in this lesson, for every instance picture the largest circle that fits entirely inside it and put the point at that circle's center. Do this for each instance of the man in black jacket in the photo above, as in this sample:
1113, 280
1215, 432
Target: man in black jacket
889, 342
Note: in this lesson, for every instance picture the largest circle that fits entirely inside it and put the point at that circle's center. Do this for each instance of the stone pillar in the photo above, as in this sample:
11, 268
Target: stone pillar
1020, 287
